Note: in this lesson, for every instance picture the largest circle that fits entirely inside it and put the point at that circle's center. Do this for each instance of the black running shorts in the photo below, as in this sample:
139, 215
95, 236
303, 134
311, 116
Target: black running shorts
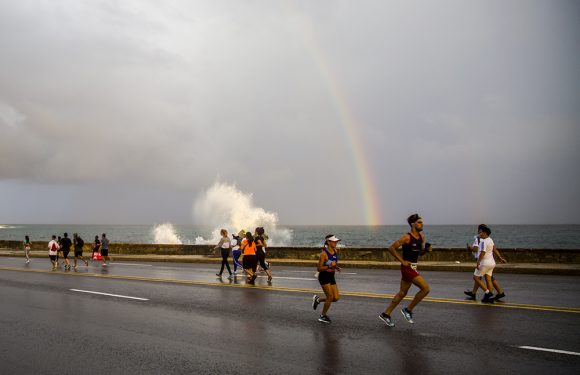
325, 277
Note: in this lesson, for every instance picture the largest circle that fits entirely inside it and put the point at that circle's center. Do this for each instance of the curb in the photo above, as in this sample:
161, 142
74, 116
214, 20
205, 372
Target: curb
535, 269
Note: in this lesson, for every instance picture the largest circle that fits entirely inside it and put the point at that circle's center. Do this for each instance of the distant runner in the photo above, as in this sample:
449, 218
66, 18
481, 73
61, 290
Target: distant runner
327, 266
26, 245
105, 249
65, 244
413, 244
53, 248
79, 244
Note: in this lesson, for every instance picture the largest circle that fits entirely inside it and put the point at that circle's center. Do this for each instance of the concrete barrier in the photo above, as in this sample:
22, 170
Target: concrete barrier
570, 256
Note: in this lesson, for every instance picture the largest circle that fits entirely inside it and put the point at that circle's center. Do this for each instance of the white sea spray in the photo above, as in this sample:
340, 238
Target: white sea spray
225, 206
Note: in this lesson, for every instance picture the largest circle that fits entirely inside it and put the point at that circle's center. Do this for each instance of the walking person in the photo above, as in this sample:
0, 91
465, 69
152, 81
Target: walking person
486, 265
105, 249
250, 260
224, 245
79, 243
26, 246
413, 244
53, 248
472, 294
260, 253
327, 267
236, 252
65, 244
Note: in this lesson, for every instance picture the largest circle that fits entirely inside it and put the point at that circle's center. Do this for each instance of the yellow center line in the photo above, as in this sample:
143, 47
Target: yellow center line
573, 310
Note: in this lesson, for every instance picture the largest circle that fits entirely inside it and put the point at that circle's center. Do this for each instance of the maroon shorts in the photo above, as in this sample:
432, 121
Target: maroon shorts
408, 274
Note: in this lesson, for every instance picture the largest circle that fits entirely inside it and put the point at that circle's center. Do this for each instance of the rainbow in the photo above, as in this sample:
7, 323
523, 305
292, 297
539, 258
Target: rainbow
350, 126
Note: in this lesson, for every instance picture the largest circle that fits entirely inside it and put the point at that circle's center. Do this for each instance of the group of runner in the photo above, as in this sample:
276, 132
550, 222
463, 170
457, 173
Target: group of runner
253, 248
60, 248
413, 245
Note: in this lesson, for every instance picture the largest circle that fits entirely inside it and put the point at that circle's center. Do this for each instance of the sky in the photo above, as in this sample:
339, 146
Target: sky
325, 112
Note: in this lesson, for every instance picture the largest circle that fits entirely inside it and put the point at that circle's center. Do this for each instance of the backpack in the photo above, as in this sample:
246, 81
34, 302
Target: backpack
80, 242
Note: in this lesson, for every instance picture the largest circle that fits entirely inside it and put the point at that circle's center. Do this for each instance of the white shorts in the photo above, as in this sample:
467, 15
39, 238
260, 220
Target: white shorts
484, 269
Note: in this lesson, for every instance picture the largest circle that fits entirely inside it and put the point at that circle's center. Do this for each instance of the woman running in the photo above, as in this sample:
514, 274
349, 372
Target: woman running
224, 245
26, 246
327, 266
250, 260
260, 253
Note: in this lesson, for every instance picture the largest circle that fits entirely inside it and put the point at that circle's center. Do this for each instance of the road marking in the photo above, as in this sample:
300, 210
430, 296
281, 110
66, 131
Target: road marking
573, 310
547, 350
108, 294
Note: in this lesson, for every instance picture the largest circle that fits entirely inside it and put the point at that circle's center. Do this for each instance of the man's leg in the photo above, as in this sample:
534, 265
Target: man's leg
405, 285
420, 282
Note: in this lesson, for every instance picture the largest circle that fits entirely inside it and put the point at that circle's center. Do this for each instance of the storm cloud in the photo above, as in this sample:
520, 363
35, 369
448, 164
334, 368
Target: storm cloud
125, 112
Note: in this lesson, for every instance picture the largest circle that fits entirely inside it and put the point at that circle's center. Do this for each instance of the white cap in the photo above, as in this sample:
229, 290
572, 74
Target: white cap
333, 239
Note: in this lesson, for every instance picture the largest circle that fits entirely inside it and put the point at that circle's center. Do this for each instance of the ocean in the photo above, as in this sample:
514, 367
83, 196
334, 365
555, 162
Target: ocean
452, 236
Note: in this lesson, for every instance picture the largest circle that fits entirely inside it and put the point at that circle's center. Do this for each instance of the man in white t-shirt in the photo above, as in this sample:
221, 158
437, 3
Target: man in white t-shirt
476, 252
486, 264
53, 248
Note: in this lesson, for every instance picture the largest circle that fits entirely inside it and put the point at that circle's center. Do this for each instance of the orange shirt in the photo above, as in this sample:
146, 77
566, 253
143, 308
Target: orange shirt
249, 249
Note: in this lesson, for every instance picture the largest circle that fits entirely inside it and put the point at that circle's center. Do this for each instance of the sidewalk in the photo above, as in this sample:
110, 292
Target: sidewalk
517, 268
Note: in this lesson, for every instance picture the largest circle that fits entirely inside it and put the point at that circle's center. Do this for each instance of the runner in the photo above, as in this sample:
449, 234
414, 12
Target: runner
26, 245
260, 253
79, 244
96, 248
105, 249
65, 244
52, 251
250, 260
413, 244
236, 253
486, 264
327, 266
472, 294
59, 252
224, 245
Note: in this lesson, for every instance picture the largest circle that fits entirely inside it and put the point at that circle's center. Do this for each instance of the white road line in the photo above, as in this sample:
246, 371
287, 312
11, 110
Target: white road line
110, 295
548, 350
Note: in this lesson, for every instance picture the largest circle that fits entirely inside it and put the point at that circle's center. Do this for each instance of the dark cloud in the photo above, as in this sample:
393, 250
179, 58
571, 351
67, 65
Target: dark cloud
457, 105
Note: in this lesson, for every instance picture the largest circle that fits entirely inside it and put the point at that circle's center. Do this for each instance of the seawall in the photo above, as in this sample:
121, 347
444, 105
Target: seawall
569, 256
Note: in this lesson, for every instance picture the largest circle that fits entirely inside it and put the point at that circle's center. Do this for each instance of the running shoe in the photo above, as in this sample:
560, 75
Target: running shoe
387, 319
87, 263
408, 315
498, 297
315, 301
469, 294
487, 298
324, 319
218, 275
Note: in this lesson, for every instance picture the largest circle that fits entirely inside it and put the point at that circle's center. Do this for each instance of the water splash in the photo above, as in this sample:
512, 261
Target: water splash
165, 234
225, 206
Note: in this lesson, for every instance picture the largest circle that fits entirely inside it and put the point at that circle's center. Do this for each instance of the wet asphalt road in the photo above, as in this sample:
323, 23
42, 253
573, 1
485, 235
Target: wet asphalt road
189, 322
